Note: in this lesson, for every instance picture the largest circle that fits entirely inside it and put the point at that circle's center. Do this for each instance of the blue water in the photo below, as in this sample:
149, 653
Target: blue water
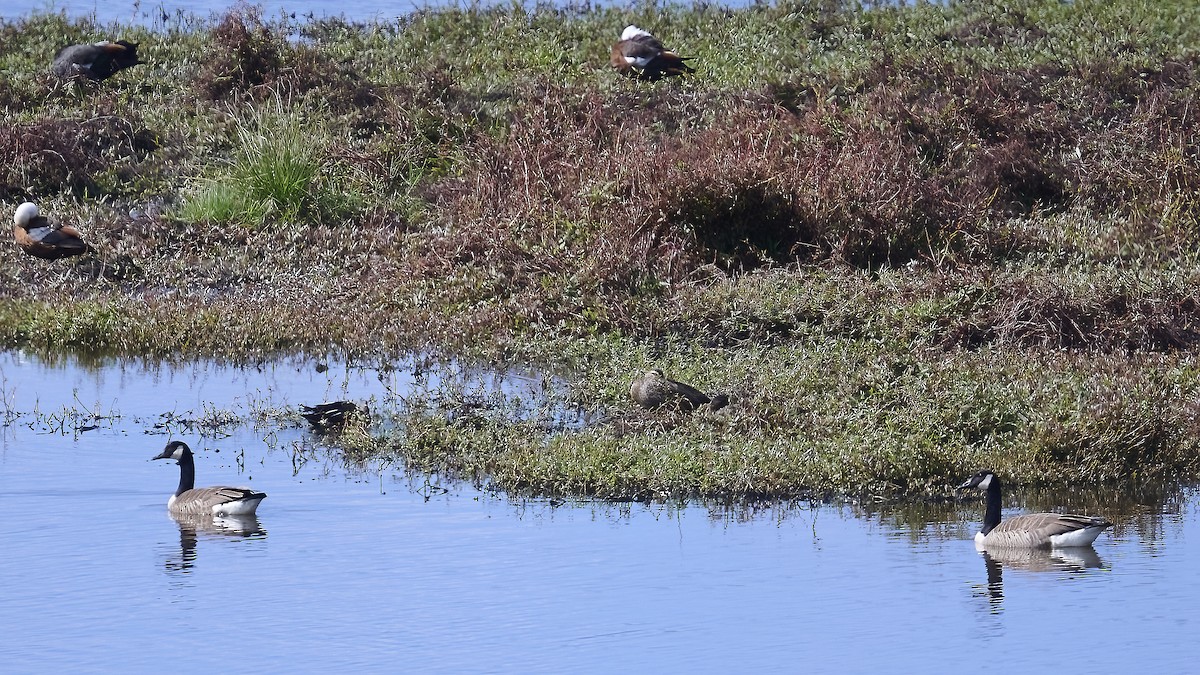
354, 568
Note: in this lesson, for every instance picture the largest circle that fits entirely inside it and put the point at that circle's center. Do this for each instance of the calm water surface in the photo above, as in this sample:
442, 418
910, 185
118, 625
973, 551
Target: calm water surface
356, 569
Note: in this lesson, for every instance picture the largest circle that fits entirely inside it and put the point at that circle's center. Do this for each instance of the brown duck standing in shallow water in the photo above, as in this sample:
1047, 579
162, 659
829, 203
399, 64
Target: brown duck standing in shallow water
654, 389
640, 55
97, 61
38, 237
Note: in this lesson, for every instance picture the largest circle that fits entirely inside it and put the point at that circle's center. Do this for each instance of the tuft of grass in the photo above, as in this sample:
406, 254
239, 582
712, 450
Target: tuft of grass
275, 174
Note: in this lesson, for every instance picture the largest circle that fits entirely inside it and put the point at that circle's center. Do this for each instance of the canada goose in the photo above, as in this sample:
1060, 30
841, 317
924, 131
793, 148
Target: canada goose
218, 500
38, 237
639, 54
97, 61
654, 389
1034, 530
328, 416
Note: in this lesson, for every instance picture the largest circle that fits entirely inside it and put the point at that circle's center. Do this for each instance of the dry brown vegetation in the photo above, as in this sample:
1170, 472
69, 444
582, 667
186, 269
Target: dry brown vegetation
89, 155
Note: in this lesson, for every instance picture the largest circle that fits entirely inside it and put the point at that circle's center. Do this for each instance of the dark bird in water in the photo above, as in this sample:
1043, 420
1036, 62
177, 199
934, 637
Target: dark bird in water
97, 61
38, 237
328, 416
1031, 530
640, 55
654, 389
220, 500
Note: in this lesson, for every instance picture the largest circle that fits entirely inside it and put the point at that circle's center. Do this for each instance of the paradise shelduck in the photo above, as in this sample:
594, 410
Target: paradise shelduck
97, 61
38, 237
640, 55
654, 389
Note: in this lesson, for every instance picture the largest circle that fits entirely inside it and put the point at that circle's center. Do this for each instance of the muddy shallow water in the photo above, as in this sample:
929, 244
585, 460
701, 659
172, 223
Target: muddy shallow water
365, 567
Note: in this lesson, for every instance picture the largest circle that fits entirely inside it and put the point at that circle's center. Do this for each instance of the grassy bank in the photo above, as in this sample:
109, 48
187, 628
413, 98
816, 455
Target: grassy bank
909, 242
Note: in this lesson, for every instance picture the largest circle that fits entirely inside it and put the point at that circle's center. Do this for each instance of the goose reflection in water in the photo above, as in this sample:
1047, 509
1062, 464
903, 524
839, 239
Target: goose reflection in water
214, 528
1066, 561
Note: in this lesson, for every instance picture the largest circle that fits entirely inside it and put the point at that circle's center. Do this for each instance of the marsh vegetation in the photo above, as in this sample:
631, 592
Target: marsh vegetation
909, 241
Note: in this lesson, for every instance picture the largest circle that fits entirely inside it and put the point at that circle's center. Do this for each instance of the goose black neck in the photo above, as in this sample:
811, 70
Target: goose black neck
187, 474
991, 517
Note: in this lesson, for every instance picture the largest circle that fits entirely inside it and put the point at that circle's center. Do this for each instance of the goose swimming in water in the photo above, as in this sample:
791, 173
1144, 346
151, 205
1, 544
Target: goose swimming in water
654, 389
218, 500
38, 237
1033, 530
639, 54
97, 61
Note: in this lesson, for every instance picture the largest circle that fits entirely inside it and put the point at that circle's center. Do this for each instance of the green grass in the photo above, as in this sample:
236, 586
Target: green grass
275, 174
899, 424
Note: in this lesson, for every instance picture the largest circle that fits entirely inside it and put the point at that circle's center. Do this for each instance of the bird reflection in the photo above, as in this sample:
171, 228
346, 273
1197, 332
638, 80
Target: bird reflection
1069, 561
216, 528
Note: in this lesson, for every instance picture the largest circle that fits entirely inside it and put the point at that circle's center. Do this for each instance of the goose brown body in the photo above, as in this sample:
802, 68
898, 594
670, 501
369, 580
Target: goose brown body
220, 500
214, 501
1038, 530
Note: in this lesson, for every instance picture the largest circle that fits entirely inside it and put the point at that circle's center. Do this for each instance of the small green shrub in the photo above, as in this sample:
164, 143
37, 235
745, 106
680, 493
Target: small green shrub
276, 174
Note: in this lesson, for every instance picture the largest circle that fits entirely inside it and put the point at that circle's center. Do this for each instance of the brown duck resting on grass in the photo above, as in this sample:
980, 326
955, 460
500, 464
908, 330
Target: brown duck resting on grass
640, 55
654, 389
97, 61
38, 237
